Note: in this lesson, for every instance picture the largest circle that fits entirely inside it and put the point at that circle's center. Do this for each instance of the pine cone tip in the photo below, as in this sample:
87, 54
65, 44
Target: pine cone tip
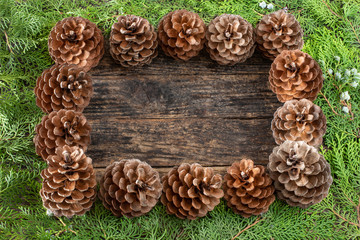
133, 41
191, 191
248, 188
130, 187
181, 34
76, 40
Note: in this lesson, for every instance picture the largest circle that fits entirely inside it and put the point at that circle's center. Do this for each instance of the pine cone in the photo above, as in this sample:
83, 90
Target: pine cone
76, 40
230, 39
301, 175
57, 129
299, 120
133, 41
181, 34
278, 31
248, 188
68, 183
295, 75
190, 191
63, 87
130, 187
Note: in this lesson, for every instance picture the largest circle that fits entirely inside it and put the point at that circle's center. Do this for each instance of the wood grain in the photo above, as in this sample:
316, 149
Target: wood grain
171, 112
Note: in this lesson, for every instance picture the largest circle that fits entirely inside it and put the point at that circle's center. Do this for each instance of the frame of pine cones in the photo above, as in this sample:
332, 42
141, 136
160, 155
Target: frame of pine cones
296, 173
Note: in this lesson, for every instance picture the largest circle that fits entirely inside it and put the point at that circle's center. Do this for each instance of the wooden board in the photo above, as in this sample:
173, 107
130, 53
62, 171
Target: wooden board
172, 112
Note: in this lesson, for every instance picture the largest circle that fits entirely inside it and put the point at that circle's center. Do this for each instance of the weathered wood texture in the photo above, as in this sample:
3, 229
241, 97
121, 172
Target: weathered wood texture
172, 112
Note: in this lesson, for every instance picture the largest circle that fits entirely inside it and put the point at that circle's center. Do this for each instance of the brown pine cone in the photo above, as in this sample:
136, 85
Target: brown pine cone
230, 39
57, 129
133, 41
63, 87
248, 188
76, 40
130, 187
278, 31
69, 182
181, 34
299, 120
191, 191
301, 175
295, 75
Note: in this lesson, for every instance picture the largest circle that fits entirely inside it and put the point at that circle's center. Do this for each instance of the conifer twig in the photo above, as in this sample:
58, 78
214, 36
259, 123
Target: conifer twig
346, 220
357, 207
331, 9
59, 233
181, 232
258, 13
329, 103
358, 211
348, 105
66, 227
351, 25
349, 198
279, 6
61, 221
251, 225
7, 42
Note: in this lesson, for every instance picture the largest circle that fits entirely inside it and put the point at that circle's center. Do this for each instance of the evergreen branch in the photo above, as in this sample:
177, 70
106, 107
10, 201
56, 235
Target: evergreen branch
66, 228
358, 211
328, 103
331, 9
249, 226
7, 42
181, 233
346, 220
261, 15
352, 202
348, 105
352, 26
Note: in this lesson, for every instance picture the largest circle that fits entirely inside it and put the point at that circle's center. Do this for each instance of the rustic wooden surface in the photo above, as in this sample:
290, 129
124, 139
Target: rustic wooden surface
172, 112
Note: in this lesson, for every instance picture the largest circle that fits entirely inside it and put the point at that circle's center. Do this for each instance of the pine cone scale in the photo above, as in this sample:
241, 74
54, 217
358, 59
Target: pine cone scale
63, 87
130, 187
60, 192
133, 41
76, 40
190, 191
248, 188
181, 34
299, 120
278, 31
289, 81
59, 128
230, 39
302, 176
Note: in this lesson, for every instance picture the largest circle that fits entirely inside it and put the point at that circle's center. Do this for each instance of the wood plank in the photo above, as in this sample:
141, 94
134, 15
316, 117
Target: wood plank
168, 142
138, 93
172, 112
